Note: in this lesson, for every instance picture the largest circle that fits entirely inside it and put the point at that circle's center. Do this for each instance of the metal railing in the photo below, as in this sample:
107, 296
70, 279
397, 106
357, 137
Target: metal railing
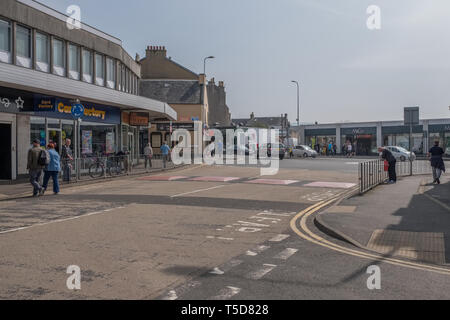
89, 168
372, 173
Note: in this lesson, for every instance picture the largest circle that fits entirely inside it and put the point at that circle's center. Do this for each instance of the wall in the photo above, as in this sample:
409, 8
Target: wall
23, 142
218, 109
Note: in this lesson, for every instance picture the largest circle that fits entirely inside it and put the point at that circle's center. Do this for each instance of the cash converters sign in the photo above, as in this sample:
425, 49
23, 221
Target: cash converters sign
88, 111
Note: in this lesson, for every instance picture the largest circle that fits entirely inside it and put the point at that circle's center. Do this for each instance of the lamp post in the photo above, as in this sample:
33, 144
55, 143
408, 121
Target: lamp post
298, 101
204, 63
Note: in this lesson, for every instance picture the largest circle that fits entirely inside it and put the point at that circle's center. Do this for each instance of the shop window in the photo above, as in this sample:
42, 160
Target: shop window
23, 47
97, 139
156, 139
74, 62
5, 41
42, 52
59, 65
37, 130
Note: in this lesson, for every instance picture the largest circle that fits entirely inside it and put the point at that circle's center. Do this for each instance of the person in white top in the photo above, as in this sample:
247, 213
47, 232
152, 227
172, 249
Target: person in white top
349, 150
148, 155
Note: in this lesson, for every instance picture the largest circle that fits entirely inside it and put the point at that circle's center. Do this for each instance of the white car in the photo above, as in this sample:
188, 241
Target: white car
401, 153
304, 151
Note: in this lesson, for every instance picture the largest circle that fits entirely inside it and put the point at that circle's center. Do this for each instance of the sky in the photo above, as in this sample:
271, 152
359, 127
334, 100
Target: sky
346, 71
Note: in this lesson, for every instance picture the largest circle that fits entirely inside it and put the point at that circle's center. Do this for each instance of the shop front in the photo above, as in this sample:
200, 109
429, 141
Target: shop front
320, 138
399, 136
161, 132
441, 133
363, 139
93, 134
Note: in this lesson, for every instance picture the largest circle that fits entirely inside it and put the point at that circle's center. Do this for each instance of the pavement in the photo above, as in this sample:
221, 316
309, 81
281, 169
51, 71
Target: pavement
409, 220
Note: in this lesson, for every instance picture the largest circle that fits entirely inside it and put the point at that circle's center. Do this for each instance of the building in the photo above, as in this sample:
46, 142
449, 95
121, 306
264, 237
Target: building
46, 68
219, 113
280, 123
368, 136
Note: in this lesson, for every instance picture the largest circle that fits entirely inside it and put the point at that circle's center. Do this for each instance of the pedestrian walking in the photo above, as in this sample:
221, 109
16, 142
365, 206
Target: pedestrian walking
334, 149
330, 148
67, 158
165, 149
148, 154
291, 152
389, 157
52, 169
437, 163
349, 150
37, 159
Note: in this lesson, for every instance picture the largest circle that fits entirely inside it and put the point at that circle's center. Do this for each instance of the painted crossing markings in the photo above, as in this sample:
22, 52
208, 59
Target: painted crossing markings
272, 181
336, 185
286, 254
279, 238
162, 178
181, 290
214, 179
256, 251
261, 272
226, 293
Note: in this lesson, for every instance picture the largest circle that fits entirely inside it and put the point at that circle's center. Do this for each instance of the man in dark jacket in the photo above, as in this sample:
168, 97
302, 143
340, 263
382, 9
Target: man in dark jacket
34, 168
389, 157
437, 163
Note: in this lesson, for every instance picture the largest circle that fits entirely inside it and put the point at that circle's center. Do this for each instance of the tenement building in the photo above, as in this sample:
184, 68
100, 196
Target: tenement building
47, 68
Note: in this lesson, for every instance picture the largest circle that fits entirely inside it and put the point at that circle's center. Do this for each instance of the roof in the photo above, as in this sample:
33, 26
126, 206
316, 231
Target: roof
172, 91
269, 121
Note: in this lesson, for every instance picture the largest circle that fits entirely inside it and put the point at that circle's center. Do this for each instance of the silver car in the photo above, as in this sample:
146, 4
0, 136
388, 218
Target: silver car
401, 153
304, 151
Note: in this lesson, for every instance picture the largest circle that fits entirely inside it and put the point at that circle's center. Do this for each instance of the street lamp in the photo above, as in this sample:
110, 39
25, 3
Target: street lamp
204, 63
298, 101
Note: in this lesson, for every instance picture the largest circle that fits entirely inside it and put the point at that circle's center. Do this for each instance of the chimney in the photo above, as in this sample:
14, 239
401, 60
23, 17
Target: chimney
212, 81
138, 57
221, 84
252, 116
156, 51
201, 78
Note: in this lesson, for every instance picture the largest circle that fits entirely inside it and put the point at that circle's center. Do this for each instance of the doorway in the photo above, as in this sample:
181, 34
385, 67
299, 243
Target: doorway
5, 152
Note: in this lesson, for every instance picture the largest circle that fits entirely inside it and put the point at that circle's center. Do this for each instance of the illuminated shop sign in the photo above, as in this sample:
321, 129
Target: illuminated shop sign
60, 108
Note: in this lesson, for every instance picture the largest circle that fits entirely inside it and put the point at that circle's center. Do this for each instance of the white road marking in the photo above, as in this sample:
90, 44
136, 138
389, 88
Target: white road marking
56, 221
220, 238
352, 163
279, 238
172, 295
226, 293
286, 254
258, 274
195, 191
257, 250
217, 271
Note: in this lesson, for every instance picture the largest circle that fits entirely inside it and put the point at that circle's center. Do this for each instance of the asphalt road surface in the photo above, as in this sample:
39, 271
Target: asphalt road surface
203, 232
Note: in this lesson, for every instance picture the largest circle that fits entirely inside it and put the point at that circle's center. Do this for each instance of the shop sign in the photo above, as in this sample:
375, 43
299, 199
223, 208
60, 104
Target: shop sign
175, 126
45, 105
138, 119
7, 103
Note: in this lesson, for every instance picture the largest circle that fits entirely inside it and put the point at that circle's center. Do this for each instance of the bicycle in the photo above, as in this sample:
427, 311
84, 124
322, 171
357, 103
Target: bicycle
113, 167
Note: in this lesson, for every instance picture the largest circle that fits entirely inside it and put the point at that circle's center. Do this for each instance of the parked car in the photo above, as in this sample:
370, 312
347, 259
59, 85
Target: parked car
401, 153
266, 150
304, 151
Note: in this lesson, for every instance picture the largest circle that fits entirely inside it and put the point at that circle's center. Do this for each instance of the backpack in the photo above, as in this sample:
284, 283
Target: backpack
44, 158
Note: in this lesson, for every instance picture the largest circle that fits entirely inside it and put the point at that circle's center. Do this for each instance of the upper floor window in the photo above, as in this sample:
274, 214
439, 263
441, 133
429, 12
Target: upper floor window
87, 66
99, 70
23, 46
5, 41
59, 61
42, 52
74, 62
111, 72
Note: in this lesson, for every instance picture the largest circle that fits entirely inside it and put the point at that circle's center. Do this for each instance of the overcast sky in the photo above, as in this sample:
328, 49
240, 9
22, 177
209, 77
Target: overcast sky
347, 72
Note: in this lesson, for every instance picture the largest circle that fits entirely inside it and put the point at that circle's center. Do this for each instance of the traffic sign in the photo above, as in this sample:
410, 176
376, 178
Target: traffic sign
77, 110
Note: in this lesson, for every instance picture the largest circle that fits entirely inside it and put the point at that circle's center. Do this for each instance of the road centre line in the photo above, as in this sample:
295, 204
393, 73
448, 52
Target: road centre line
286, 254
279, 238
196, 191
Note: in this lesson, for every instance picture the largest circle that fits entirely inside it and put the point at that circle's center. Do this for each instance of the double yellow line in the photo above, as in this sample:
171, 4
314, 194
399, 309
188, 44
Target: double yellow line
305, 233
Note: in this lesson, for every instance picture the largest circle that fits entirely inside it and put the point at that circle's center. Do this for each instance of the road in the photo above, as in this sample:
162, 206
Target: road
203, 232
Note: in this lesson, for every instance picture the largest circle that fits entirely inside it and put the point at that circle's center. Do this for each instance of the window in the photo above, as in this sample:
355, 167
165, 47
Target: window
42, 52
111, 71
87, 66
5, 41
74, 62
23, 46
99, 70
156, 138
58, 57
